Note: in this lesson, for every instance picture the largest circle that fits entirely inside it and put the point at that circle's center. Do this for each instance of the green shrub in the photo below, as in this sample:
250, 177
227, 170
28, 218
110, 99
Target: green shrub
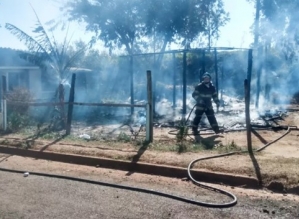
182, 131
16, 121
18, 107
123, 137
19, 95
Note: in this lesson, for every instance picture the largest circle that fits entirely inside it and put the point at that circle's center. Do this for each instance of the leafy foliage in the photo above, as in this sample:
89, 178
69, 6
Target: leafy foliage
182, 132
18, 113
19, 94
44, 51
123, 137
279, 26
16, 121
131, 23
278, 36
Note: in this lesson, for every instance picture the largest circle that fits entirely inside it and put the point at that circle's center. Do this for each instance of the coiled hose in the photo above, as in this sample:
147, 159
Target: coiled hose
167, 195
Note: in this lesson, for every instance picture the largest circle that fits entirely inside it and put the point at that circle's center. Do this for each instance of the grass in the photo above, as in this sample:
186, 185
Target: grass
230, 147
123, 137
179, 145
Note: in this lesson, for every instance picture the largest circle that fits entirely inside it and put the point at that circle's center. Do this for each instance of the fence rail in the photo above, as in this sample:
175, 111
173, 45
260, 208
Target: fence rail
71, 104
74, 103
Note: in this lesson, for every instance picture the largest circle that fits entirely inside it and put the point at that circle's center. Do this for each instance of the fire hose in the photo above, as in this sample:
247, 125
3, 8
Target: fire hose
234, 198
162, 194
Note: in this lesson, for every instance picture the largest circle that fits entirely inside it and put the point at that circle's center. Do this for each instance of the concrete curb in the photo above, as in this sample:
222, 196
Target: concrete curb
153, 169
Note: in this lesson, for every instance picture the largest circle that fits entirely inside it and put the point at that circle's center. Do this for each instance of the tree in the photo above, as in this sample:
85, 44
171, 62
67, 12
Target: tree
131, 23
216, 18
279, 36
45, 52
91, 59
281, 18
279, 26
117, 23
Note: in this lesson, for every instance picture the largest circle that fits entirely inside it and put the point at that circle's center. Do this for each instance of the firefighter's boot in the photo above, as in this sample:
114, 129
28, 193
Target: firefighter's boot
196, 134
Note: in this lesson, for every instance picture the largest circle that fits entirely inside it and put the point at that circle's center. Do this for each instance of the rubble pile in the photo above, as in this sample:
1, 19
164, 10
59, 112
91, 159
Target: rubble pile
230, 116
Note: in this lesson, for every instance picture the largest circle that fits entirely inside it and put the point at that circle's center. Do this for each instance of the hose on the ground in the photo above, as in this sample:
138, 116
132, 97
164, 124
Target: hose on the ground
234, 199
167, 195
230, 154
136, 189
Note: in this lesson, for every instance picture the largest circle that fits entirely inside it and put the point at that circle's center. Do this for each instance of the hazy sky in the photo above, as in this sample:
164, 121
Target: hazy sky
19, 13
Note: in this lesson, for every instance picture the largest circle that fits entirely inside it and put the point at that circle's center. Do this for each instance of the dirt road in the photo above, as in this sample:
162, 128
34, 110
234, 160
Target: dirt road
41, 197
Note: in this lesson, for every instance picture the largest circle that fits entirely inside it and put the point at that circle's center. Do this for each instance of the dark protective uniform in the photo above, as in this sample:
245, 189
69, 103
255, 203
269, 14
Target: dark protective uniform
203, 94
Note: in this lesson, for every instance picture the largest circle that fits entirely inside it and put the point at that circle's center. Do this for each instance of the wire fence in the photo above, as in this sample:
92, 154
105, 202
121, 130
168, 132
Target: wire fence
84, 118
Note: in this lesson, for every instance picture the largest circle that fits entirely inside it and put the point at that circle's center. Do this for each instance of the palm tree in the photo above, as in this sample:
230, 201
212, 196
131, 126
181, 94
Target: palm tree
45, 52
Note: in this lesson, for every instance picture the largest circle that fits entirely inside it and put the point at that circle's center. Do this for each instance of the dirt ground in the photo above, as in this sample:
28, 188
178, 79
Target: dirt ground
44, 197
277, 163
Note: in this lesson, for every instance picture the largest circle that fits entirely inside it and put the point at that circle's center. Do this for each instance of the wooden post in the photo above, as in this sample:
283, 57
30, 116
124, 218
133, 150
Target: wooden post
149, 109
4, 105
155, 77
71, 105
247, 116
247, 101
258, 77
132, 84
174, 81
184, 83
61, 101
249, 69
216, 71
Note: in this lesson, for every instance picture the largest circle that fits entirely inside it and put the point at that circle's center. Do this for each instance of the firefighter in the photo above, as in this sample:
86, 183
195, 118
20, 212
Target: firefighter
203, 94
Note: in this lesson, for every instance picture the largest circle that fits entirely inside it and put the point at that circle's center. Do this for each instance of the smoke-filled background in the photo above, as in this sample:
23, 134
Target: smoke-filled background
151, 36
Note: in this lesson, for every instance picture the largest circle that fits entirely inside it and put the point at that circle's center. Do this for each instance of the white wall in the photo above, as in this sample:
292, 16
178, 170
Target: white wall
35, 83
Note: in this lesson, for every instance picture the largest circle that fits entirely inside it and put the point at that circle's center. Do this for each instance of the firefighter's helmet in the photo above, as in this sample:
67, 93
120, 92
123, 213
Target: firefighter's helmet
206, 75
